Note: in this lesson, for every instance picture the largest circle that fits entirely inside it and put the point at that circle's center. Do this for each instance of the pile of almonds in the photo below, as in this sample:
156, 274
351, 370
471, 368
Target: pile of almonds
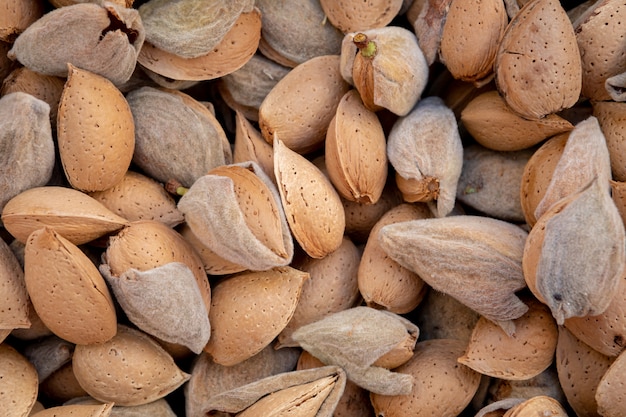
312, 208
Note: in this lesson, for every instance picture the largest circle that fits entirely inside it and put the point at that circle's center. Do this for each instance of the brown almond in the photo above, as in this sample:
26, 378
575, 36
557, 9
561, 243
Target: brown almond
62, 385
129, 369
66, 289
249, 310
610, 115
537, 67
313, 208
351, 16
13, 294
17, 16
300, 112
441, 386
355, 149
383, 282
78, 410
495, 126
19, 385
610, 394
520, 356
97, 154
73, 214
537, 405
250, 146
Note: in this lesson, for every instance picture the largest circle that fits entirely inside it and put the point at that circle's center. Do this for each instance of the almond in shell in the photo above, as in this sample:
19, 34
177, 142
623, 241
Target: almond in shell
610, 115
17, 16
610, 394
539, 405
350, 16
19, 385
95, 129
66, 289
73, 214
78, 410
62, 385
129, 369
15, 301
250, 146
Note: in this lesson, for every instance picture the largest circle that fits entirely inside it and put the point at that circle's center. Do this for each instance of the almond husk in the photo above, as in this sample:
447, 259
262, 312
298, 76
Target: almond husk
249, 310
610, 115
318, 228
13, 294
78, 410
332, 287
95, 155
546, 383
73, 214
17, 16
355, 149
520, 356
66, 289
231, 53
351, 16
48, 355
213, 264
610, 395
300, 113
140, 370
495, 126
383, 283
538, 65
427, 19
477, 260
138, 197
580, 369
19, 385
441, 386
102, 38
250, 146
470, 39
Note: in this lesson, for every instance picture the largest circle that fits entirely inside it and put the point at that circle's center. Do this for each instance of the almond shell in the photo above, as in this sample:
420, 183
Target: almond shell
19, 385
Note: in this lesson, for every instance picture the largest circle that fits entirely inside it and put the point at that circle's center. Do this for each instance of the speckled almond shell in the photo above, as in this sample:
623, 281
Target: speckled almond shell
19, 385
383, 282
146, 244
441, 386
520, 356
95, 130
356, 151
353, 15
231, 53
538, 405
250, 146
13, 294
73, 214
130, 369
580, 369
612, 121
17, 16
313, 208
495, 126
66, 289
301, 105
610, 394
78, 410
537, 67
249, 310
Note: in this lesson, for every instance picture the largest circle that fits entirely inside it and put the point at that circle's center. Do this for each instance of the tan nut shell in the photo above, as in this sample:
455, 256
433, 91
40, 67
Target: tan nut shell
138, 197
383, 282
146, 244
130, 369
66, 289
353, 15
580, 369
62, 385
73, 214
249, 310
19, 385
234, 50
356, 151
17, 16
250, 146
96, 132
441, 386
495, 126
613, 124
540, 405
520, 356
301, 105
312, 206
13, 294
538, 68
77, 410
610, 394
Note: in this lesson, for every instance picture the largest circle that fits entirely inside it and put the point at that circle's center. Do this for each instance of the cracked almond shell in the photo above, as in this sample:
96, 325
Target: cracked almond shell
19, 385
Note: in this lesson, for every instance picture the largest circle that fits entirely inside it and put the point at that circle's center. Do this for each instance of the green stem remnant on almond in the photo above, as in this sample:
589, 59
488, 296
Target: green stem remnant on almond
175, 187
367, 47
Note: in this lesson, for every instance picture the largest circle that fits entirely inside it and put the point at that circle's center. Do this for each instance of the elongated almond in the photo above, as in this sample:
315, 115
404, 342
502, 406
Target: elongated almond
350, 16
73, 214
17, 16
15, 302
312, 206
18, 382
610, 394
610, 115
250, 146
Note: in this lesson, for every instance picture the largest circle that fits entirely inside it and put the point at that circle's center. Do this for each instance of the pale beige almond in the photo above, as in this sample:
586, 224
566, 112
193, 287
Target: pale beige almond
15, 301
99, 410
355, 149
383, 282
610, 394
129, 369
231, 53
17, 16
520, 356
250, 146
138, 197
19, 385
494, 125
67, 290
350, 16
249, 310
301, 105
158, 408
537, 406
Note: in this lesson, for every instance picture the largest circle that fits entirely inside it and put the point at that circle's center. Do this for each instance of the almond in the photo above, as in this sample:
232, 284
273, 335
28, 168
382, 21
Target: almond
17, 17
19, 385
250, 146
15, 301
350, 16
537, 405
610, 394
62, 385
78, 410
613, 124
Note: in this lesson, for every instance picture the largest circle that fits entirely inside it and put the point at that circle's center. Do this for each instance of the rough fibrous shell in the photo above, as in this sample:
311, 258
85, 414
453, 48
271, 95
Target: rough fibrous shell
95, 129
538, 68
350, 16
48, 355
66, 289
130, 369
104, 39
19, 385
